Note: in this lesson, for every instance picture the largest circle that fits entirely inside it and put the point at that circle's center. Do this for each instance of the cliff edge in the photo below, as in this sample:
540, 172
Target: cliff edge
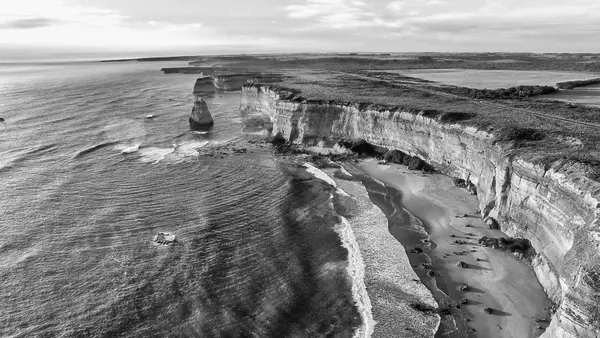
554, 201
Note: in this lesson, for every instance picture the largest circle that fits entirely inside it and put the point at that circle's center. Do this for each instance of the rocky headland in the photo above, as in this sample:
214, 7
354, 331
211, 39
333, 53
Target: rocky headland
552, 201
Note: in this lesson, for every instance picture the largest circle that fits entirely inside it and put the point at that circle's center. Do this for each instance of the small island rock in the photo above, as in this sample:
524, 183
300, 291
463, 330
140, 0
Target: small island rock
164, 238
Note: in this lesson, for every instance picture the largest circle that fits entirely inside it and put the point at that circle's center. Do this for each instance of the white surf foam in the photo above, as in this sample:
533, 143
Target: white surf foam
178, 153
356, 271
154, 154
190, 148
127, 148
319, 174
356, 266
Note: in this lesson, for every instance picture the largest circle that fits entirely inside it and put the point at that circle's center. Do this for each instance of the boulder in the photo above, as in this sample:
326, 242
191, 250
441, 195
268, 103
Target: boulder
200, 117
462, 265
492, 223
165, 238
416, 250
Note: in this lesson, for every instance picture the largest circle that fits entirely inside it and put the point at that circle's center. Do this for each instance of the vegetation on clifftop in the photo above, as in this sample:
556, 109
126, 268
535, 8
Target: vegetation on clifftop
578, 83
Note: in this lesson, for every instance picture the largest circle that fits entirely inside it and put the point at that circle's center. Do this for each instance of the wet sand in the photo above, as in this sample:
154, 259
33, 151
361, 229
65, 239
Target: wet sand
392, 285
497, 280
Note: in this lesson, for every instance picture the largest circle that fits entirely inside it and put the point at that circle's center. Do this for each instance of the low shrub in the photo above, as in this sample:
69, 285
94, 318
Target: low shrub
511, 133
577, 83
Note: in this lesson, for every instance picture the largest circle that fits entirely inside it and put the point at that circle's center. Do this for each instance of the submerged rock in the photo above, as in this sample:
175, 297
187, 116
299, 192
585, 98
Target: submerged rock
200, 117
165, 238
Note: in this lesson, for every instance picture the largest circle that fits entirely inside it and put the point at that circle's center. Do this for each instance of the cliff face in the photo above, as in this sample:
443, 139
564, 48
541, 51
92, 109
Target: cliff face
231, 82
236, 81
554, 205
200, 117
204, 85
183, 70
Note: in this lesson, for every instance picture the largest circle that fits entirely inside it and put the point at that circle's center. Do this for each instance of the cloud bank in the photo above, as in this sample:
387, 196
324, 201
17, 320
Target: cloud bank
239, 26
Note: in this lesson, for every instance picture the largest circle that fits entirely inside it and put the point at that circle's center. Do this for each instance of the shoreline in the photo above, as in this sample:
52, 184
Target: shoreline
413, 234
496, 280
355, 264
385, 287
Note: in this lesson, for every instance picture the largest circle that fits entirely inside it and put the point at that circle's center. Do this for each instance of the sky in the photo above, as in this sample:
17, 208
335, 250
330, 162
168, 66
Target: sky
127, 28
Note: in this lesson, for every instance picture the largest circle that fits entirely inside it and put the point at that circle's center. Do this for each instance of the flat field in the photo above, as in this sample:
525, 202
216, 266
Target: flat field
586, 96
493, 79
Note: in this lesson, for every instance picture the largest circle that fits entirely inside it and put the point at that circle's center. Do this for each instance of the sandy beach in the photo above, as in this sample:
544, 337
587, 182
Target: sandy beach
495, 278
388, 285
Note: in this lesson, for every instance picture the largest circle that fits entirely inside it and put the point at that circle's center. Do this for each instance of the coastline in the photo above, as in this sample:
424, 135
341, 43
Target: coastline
385, 286
517, 296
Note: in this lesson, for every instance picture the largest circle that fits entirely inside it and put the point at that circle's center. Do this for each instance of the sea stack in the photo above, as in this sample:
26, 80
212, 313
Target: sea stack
204, 85
200, 117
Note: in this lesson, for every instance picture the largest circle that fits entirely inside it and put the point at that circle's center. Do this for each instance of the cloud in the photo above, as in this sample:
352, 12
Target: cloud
396, 6
56, 24
337, 14
28, 23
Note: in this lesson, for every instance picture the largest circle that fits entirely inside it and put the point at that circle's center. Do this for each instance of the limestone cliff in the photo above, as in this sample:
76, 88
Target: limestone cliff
231, 81
554, 205
236, 81
200, 117
204, 85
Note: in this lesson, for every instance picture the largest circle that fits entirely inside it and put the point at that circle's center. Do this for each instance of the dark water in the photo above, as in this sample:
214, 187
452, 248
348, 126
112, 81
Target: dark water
86, 181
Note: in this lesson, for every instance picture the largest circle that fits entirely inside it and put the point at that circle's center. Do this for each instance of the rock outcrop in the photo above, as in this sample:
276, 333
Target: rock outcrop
164, 238
204, 85
200, 117
555, 205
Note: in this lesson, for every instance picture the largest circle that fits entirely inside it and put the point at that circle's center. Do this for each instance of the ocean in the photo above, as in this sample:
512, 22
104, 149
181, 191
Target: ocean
87, 181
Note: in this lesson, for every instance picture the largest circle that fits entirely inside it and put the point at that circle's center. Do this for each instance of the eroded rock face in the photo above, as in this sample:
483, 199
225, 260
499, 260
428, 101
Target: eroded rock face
232, 82
200, 117
204, 85
555, 206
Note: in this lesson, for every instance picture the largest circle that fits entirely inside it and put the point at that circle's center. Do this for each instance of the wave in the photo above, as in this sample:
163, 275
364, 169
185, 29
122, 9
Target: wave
92, 149
189, 149
177, 153
154, 154
9, 159
355, 267
127, 148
